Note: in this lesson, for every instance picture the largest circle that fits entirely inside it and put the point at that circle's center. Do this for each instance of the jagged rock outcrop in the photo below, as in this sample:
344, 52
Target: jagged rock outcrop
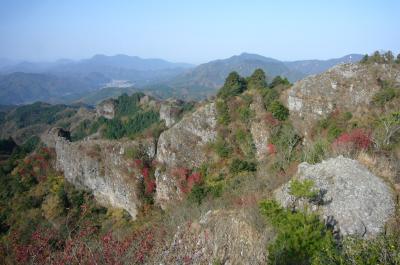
258, 127
100, 166
106, 109
183, 146
355, 201
347, 87
224, 236
170, 111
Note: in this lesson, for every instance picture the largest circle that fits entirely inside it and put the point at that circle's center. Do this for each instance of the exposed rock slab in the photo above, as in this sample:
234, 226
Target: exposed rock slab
358, 201
183, 146
258, 127
101, 167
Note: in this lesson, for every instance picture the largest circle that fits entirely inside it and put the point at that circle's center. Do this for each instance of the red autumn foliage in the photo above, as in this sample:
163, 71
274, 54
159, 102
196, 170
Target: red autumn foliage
86, 247
271, 149
138, 162
149, 183
356, 140
186, 179
270, 120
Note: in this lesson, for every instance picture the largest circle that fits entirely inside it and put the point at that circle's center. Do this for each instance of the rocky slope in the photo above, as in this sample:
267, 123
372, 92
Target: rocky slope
347, 87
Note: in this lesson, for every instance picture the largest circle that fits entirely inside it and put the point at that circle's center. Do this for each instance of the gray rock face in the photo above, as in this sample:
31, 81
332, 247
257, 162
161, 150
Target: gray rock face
259, 129
347, 87
227, 236
183, 146
106, 109
101, 167
357, 200
169, 113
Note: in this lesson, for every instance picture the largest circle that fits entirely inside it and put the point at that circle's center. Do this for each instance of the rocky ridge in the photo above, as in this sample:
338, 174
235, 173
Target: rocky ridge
347, 87
101, 167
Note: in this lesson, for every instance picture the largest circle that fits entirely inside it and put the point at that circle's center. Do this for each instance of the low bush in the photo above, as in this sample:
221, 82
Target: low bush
223, 116
238, 166
278, 110
384, 95
316, 152
300, 236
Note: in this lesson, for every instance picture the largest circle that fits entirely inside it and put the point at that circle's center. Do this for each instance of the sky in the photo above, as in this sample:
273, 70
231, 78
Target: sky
196, 31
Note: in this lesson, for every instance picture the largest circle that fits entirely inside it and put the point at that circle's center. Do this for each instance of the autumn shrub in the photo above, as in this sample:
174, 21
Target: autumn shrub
352, 142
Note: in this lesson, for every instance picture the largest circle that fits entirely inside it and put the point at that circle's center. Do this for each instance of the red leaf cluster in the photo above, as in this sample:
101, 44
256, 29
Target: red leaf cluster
356, 140
186, 179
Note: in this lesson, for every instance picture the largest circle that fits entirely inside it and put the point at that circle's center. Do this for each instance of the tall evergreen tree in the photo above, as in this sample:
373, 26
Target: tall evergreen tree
257, 80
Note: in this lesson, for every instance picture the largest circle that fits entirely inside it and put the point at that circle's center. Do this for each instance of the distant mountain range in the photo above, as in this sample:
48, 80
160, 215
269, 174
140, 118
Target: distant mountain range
66, 80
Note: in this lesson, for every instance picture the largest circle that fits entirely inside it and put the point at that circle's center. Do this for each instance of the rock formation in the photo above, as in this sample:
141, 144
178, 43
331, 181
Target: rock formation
355, 201
183, 146
347, 87
224, 236
100, 166
106, 109
259, 129
170, 111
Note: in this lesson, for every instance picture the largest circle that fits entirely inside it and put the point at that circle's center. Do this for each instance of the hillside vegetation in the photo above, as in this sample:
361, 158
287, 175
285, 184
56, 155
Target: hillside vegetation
207, 187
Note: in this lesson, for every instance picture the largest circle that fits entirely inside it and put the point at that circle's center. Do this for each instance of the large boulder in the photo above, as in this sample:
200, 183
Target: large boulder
346, 87
101, 166
182, 146
355, 202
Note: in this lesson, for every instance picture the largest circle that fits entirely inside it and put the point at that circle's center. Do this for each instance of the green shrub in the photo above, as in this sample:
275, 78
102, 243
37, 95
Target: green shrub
198, 193
257, 80
238, 166
279, 111
278, 80
269, 96
334, 132
303, 189
316, 152
233, 86
383, 96
222, 148
300, 236
245, 114
223, 115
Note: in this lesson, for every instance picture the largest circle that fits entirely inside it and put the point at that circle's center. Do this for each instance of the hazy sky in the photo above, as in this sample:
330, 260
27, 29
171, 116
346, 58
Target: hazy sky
197, 31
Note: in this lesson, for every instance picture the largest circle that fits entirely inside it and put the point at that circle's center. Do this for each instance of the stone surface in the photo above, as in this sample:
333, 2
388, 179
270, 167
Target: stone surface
101, 167
183, 146
358, 201
346, 87
106, 109
258, 127
225, 236
170, 112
